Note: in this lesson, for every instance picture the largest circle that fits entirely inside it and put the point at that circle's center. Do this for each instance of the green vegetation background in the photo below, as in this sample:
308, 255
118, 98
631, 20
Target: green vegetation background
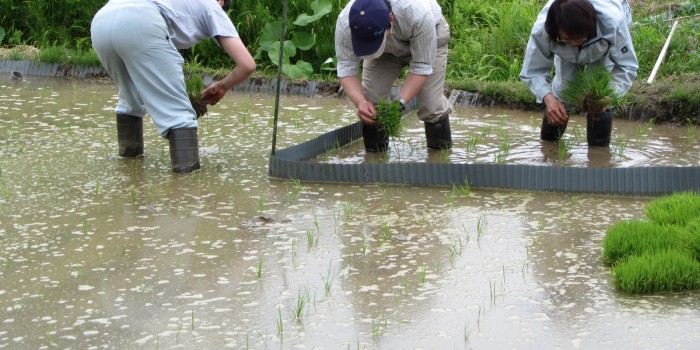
488, 41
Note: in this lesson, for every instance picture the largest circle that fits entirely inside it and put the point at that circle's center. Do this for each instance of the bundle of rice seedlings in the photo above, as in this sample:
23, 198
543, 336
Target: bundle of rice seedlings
675, 209
629, 238
590, 89
389, 117
661, 271
194, 85
691, 238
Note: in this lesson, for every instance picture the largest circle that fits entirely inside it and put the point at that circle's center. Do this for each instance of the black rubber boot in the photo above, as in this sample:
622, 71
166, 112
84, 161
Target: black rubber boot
438, 134
130, 135
599, 128
550, 132
184, 151
376, 140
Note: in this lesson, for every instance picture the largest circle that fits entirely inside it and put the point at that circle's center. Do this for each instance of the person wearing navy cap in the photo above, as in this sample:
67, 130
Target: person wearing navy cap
388, 36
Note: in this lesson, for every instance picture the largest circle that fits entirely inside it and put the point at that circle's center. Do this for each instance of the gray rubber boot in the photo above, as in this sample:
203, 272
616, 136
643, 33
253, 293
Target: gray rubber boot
130, 135
375, 139
599, 128
550, 132
184, 151
439, 134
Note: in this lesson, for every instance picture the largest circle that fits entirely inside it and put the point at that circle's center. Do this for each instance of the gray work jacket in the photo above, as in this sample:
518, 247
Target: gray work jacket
612, 47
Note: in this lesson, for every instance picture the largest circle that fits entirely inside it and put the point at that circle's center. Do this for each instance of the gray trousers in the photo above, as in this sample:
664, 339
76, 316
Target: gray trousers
379, 75
133, 42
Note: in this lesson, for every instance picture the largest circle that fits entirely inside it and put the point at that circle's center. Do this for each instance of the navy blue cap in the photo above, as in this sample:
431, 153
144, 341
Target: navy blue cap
369, 19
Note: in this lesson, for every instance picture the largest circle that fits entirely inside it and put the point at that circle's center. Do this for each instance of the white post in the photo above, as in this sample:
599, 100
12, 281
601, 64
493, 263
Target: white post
662, 54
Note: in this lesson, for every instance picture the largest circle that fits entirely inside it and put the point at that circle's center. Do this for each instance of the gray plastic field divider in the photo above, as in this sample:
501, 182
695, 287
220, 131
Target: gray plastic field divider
293, 163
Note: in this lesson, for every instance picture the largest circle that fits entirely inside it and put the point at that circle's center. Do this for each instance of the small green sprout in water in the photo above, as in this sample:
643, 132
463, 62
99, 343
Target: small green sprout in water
563, 148
389, 117
302, 302
590, 89
259, 269
423, 274
280, 325
692, 130
194, 85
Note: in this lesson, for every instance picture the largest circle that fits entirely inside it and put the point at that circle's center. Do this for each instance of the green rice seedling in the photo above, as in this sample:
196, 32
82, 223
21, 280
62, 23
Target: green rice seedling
661, 271
691, 237
389, 117
328, 279
445, 155
563, 148
179, 330
348, 210
590, 89
280, 324
641, 132
302, 302
675, 209
192, 320
465, 190
472, 142
259, 268
692, 130
633, 237
422, 274
194, 85
480, 224
311, 241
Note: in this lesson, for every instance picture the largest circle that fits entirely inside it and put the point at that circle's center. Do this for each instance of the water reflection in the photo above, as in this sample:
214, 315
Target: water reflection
99, 251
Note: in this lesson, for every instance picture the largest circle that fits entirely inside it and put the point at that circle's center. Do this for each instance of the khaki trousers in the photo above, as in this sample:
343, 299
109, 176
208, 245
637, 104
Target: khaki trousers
379, 75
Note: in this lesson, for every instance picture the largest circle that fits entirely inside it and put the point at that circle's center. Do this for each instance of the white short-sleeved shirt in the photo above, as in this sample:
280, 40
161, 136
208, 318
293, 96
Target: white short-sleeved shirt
192, 21
413, 33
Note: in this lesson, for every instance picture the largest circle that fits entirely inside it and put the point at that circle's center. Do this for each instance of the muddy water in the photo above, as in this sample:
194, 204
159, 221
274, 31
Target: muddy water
102, 252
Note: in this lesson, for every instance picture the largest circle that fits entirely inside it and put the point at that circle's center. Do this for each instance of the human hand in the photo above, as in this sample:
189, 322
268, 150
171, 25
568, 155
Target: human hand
367, 113
556, 111
214, 93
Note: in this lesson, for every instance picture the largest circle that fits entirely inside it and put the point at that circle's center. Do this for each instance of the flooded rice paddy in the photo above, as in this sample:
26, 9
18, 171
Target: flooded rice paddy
97, 251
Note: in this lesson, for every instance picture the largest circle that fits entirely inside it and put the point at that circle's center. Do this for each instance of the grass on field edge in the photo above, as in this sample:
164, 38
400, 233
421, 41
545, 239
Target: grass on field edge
670, 99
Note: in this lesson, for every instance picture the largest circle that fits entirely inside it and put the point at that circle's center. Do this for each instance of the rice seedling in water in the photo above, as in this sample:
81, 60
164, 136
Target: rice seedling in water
302, 302
692, 130
280, 325
259, 269
627, 238
660, 271
194, 84
389, 117
676, 209
590, 89
563, 148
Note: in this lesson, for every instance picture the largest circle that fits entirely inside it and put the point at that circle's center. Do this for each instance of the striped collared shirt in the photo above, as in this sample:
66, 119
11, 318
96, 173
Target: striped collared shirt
413, 33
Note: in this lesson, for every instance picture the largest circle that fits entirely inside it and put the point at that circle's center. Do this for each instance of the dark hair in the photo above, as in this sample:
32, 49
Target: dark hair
226, 5
577, 18
388, 4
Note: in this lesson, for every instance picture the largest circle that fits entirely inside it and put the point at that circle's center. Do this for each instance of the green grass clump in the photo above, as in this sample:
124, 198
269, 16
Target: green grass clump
194, 85
691, 238
590, 87
653, 272
628, 238
676, 209
389, 117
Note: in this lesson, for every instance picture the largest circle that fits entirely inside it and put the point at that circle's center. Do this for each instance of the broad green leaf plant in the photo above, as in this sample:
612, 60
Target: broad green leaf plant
298, 38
